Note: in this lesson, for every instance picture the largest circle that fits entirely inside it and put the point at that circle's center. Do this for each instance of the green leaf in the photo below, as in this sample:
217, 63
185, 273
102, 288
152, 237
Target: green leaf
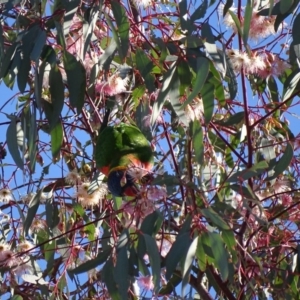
32, 141
290, 85
152, 223
273, 10
177, 252
14, 136
272, 86
57, 135
187, 266
208, 98
205, 246
23, 71
49, 250
39, 44
247, 21
28, 42
123, 27
114, 33
198, 141
7, 59
209, 213
202, 72
185, 23
108, 55
174, 97
233, 120
154, 258
295, 30
1, 43
185, 75
89, 228
215, 79
145, 66
92, 263
108, 278
192, 41
89, 30
267, 149
122, 265
236, 21
211, 47
220, 254
60, 36
284, 162
76, 78
246, 174
200, 254
32, 209
281, 16
16, 297
171, 284
165, 89
230, 242
285, 5
186, 227
62, 283
227, 6
245, 191
53, 109
52, 214
28, 121
200, 11
232, 85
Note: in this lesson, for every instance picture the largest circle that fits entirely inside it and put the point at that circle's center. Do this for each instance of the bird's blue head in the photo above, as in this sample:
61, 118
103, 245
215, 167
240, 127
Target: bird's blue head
120, 183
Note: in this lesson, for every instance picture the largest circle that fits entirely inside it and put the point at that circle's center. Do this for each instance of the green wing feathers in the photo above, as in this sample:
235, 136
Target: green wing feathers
116, 146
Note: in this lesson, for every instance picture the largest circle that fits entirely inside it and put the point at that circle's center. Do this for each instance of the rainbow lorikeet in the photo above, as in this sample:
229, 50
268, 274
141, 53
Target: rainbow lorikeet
124, 155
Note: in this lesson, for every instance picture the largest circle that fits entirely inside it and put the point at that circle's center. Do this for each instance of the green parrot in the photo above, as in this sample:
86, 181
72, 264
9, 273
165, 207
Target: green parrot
124, 155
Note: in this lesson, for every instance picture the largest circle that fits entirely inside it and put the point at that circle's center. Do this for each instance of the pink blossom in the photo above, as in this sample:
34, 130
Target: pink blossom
99, 33
260, 26
147, 119
274, 66
239, 60
154, 193
76, 23
294, 214
133, 214
5, 195
146, 207
73, 177
146, 282
24, 267
281, 185
195, 110
75, 45
113, 86
143, 3
8, 258
153, 96
228, 21
165, 244
263, 65
138, 171
286, 200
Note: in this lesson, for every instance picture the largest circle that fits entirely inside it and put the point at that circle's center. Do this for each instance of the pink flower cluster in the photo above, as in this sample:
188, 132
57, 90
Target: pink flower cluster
263, 65
113, 86
260, 26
